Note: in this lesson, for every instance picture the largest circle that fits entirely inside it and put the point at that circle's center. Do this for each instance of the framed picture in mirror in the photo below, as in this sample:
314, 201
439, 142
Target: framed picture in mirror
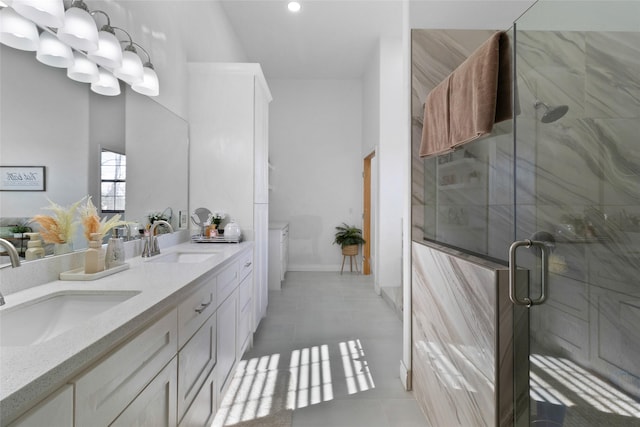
22, 178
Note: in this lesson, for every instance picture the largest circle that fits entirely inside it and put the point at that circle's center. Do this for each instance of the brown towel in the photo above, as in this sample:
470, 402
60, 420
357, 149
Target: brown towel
435, 128
479, 95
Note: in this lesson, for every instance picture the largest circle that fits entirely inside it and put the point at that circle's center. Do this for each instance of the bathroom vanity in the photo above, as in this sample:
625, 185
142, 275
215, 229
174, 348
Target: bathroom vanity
159, 349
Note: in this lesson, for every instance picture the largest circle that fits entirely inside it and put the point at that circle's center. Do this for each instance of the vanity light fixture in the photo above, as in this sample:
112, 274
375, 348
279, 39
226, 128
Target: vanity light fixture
109, 52
48, 13
131, 70
149, 85
107, 84
293, 6
79, 29
83, 69
17, 32
53, 52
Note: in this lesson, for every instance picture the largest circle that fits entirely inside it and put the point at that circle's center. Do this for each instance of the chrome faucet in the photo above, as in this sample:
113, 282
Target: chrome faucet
13, 256
151, 246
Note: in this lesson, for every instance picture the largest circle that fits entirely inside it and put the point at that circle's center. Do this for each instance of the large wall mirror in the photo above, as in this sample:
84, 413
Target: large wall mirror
49, 120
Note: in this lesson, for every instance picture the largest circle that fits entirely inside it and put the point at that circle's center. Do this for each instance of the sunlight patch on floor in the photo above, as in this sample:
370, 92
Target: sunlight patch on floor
259, 388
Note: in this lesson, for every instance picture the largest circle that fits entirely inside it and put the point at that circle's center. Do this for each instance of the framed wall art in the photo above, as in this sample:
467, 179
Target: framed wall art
22, 178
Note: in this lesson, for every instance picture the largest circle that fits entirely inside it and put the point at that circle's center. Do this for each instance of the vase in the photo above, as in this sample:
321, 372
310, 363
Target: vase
62, 248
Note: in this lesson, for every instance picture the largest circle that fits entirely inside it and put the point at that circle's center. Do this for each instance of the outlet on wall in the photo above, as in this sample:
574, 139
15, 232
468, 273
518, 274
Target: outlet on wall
182, 219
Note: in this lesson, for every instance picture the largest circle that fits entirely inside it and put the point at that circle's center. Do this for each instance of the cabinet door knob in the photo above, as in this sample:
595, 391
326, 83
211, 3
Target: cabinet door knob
247, 264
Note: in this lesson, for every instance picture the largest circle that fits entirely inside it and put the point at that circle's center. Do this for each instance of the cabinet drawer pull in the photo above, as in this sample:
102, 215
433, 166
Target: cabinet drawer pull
247, 264
202, 307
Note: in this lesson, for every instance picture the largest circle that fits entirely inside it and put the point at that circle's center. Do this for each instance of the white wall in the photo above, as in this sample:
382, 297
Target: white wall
384, 130
315, 138
394, 151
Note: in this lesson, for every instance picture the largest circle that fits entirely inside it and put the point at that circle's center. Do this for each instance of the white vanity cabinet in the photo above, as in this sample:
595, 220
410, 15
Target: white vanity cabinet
56, 410
197, 341
278, 254
155, 406
104, 391
175, 369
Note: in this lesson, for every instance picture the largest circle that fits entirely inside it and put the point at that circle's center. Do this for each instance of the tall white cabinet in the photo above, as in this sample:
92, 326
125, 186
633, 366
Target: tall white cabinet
229, 145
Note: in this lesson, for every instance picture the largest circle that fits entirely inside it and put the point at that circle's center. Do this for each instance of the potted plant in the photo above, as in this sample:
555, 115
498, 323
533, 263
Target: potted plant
19, 229
349, 237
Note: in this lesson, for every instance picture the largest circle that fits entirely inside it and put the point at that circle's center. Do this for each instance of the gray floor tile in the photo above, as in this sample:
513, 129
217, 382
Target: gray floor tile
357, 381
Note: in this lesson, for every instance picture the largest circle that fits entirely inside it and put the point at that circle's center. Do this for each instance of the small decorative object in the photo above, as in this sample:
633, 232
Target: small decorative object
232, 231
62, 248
60, 227
34, 247
217, 217
115, 250
94, 255
92, 223
19, 229
348, 235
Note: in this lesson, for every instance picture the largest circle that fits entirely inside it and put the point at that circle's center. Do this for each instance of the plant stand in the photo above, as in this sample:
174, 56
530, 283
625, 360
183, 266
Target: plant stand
350, 251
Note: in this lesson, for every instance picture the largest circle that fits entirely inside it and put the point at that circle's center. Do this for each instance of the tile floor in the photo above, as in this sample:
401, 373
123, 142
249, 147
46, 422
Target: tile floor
339, 347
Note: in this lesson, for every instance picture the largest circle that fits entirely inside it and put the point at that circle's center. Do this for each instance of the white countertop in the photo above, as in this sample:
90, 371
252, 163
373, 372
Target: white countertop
30, 373
276, 225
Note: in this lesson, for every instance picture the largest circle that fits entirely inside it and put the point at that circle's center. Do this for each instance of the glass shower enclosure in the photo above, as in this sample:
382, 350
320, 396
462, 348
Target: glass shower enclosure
577, 191
562, 181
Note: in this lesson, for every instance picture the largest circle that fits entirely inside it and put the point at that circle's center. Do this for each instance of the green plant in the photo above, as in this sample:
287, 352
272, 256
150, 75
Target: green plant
20, 228
347, 235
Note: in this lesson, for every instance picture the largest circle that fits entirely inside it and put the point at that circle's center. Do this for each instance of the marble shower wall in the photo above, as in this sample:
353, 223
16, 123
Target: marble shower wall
462, 338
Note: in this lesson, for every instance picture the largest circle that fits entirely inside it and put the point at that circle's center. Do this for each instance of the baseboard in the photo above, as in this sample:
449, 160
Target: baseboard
314, 267
405, 376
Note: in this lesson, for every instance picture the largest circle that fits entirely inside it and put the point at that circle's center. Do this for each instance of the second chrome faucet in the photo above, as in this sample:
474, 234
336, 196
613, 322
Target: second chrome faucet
151, 247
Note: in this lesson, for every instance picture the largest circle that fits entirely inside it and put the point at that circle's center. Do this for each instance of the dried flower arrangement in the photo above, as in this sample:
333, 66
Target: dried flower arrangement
59, 227
92, 223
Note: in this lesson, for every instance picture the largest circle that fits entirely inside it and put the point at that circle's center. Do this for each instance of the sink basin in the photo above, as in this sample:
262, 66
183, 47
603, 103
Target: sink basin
185, 257
37, 321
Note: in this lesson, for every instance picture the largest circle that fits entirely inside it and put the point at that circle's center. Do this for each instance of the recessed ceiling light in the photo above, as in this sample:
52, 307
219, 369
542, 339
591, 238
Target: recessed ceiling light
294, 6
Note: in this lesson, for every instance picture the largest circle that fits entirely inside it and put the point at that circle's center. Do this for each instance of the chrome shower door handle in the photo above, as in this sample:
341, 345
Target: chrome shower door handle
513, 266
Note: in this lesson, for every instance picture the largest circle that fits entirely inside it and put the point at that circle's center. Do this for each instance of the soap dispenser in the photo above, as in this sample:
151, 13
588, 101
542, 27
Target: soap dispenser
94, 255
34, 247
115, 250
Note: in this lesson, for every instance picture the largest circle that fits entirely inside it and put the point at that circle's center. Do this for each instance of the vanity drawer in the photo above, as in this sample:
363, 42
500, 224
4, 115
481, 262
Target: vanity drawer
204, 406
104, 391
227, 281
156, 405
195, 362
246, 264
196, 309
245, 291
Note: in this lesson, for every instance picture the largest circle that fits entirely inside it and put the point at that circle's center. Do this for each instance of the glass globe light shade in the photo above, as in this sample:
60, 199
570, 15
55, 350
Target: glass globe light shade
149, 85
83, 70
131, 70
109, 52
18, 32
79, 29
46, 13
53, 52
107, 84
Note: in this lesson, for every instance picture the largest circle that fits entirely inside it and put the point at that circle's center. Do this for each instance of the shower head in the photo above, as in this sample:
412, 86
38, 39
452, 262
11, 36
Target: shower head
551, 113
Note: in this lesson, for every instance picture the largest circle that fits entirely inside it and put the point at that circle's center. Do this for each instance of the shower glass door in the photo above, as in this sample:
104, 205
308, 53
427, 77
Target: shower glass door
577, 191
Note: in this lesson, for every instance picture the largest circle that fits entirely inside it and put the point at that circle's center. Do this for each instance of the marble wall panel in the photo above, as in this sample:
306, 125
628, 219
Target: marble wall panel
462, 338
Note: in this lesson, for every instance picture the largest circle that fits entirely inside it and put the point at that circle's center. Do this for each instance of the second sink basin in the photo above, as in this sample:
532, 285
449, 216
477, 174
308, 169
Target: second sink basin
37, 321
185, 257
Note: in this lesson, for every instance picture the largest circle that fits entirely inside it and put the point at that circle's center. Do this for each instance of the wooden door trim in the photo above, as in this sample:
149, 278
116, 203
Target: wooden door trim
366, 215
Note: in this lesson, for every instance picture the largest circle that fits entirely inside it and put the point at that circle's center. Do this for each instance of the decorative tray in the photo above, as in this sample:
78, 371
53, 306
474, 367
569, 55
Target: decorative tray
197, 238
79, 274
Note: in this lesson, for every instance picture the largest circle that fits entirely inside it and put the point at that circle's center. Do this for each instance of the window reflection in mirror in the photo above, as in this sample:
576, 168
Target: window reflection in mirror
113, 169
